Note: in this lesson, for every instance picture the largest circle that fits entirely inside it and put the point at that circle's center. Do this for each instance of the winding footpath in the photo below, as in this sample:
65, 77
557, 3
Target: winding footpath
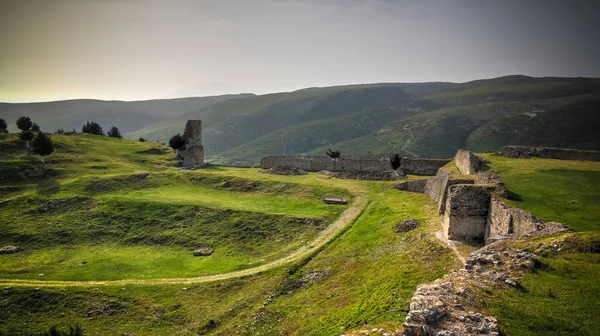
346, 218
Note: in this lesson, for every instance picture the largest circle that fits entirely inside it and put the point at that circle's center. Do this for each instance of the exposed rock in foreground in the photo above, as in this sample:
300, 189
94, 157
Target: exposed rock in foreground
448, 305
406, 225
203, 252
284, 170
369, 175
9, 249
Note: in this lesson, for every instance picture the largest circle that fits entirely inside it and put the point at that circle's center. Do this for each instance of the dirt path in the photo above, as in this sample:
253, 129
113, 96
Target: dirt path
440, 235
347, 217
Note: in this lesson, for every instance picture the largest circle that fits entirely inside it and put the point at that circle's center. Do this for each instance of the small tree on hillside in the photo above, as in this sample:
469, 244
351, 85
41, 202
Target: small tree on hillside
24, 123
26, 136
3, 126
114, 133
60, 131
333, 154
177, 142
35, 127
43, 146
142, 139
395, 161
92, 127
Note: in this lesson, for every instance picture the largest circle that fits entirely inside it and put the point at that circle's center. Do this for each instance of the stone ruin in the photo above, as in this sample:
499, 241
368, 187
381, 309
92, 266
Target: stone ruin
472, 203
193, 154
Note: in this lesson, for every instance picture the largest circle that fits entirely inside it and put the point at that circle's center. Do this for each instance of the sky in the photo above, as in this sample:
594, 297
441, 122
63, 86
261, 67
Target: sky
149, 49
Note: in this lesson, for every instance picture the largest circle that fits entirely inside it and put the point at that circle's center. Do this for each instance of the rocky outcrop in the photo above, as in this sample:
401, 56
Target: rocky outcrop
203, 252
449, 306
193, 154
406, 225
9, 249
549, 153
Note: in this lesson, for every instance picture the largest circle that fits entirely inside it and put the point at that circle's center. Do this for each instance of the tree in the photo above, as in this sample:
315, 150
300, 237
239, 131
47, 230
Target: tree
24, 123
43, 146
114, 133
35, 127
333, 154
177, 142
142, 139
395, 161
26, 136
60, 131
3, 126
92, 127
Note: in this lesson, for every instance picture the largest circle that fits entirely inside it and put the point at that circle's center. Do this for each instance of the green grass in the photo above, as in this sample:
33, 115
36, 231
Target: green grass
561, 297
99, 209
554, 190
370, 270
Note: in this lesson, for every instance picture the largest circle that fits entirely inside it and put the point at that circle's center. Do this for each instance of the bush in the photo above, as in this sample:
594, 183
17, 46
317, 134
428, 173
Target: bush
177, 142
3, 126
395, 161
114, 133
24, 123
333, 154
92, 127
42, 145
142, 140
35, 127
60, 131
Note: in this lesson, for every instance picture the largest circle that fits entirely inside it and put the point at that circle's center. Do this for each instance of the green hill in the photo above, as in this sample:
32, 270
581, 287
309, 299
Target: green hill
369, 120
128, 116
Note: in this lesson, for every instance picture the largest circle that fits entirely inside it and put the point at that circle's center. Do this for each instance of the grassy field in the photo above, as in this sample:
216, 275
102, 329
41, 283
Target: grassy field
554, 190
100, 217
561, 296
116, 210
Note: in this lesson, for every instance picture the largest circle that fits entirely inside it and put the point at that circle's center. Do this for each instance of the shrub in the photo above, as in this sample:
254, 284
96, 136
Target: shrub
92, 127
114, 133
43, 146
24, 123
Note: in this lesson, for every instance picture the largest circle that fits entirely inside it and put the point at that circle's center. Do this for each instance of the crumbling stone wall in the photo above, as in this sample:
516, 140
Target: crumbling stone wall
505, 220
412, 186
315, 164
469, 163
444, 191
549, 153
193, 154
467, 211
435, 184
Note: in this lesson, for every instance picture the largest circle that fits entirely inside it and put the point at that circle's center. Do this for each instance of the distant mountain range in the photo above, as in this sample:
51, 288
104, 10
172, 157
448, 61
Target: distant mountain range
371, 120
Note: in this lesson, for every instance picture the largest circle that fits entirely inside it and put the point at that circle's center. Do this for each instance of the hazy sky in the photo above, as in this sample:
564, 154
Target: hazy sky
143, 49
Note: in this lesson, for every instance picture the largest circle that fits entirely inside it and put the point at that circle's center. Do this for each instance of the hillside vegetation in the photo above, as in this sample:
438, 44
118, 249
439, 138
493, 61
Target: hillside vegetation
370, 120
115, 209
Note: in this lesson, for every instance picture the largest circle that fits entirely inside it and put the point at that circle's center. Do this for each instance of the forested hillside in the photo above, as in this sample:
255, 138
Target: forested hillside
371, 120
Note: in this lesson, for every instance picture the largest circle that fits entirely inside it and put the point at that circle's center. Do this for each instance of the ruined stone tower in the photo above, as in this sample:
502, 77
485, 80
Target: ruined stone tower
193, 155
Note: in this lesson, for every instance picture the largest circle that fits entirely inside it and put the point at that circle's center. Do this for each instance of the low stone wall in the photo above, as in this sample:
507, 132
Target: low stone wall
488, 177
316, 163
469, 163
549, 153
412, 186
505, 220
435, 185
466, 213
